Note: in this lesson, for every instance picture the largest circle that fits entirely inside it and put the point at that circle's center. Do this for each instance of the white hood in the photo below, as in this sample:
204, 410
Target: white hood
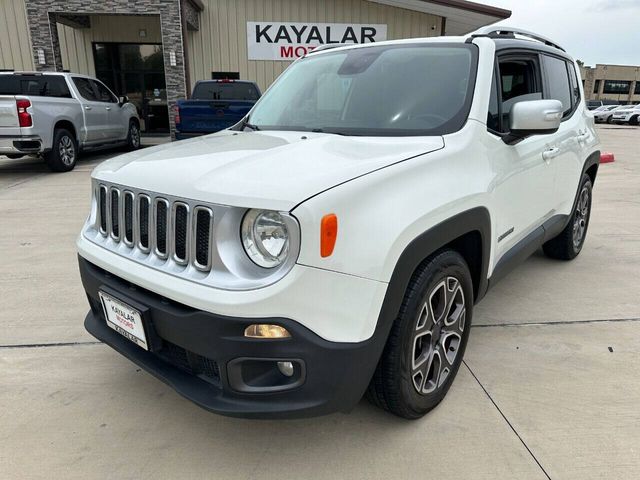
272, 170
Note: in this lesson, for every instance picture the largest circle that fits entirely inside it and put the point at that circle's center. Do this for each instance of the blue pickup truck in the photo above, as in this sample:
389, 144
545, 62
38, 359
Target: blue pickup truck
214, 106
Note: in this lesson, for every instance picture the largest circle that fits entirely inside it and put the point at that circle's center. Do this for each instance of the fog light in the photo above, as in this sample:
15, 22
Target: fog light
263, 330
286, 368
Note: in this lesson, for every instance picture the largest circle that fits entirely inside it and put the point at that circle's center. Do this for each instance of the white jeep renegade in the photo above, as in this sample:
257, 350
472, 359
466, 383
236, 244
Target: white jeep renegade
335, 241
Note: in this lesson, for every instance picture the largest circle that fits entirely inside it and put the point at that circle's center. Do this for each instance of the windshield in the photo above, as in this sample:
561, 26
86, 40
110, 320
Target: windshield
225, 91
395, 90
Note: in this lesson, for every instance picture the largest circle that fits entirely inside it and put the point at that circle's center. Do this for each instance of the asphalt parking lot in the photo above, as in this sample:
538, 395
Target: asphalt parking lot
549, 389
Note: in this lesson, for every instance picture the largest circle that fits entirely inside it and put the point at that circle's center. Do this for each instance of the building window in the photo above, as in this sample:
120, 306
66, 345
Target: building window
616, 86
637, 89
596, 86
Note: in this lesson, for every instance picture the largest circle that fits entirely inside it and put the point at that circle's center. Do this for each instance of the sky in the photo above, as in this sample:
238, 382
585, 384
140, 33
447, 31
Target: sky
594, 31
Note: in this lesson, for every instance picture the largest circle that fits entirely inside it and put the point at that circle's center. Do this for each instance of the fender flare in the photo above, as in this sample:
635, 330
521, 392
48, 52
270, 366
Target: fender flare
593, 159
422, 247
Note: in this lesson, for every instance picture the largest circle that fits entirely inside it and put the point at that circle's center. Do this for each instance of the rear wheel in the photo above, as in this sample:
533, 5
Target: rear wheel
568, 244
427, 341
64, 152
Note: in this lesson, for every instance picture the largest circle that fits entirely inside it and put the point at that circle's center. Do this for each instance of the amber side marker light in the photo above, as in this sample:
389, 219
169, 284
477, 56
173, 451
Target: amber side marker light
264, 330
328, 234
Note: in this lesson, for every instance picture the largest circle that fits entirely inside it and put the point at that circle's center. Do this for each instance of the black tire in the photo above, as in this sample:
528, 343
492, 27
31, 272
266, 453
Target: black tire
14, 156
397, 385
610, 120
133, 137
568, 243
64, 151
634, 121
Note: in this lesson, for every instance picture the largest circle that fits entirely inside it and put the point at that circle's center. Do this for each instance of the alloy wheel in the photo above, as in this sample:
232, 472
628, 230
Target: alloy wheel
67, 151
438, 336
581, 217
134, 134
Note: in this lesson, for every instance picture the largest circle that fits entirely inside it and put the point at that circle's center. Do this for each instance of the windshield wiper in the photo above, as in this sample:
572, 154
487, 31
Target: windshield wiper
322, 130
245, 124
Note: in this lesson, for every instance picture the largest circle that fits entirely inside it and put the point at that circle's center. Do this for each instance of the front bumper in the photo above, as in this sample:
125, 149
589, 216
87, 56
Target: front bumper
20, 144
197, 352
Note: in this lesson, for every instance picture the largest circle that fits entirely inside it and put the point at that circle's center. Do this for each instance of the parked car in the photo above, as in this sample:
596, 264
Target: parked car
58, 114
336, 240
594, 104
628, 114
214, 106
605, 113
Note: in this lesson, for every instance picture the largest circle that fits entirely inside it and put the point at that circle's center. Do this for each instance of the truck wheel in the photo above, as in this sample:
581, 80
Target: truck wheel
568, 244
427, 341
133, 138
64, 152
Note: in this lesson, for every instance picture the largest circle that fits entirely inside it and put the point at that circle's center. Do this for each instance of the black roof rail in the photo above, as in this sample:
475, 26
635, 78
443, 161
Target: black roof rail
511, 32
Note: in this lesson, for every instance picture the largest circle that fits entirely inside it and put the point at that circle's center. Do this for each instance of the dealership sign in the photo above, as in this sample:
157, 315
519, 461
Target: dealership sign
288, 41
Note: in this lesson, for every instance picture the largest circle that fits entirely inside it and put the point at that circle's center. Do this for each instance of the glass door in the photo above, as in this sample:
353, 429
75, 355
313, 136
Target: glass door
137, 71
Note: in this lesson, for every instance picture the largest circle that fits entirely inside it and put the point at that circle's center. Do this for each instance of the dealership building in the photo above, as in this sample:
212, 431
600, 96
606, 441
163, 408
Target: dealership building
153, 51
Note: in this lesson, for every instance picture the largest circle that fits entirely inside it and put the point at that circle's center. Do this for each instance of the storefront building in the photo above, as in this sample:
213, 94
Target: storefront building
153, 51
617, 84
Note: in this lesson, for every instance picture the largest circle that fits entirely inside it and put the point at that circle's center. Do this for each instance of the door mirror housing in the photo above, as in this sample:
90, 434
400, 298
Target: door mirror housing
534, 117
122, 100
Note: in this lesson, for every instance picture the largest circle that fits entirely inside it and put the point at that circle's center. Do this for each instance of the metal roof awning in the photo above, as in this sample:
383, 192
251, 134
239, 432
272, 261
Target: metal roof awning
461, 16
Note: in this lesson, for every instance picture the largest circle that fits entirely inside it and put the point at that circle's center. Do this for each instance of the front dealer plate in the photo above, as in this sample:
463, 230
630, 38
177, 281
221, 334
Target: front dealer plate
125, 320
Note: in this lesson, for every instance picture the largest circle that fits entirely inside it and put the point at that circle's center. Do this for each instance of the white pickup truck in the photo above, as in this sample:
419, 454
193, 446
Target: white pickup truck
58, 114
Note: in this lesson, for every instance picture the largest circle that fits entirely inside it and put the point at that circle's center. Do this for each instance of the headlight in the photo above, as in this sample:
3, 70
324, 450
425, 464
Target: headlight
265, 237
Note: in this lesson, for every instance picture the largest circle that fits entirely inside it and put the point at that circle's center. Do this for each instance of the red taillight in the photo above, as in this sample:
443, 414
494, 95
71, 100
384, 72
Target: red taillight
176, 114
24, 117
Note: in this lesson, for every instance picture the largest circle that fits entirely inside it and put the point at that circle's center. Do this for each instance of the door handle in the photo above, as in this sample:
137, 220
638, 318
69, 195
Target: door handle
87, 107
550, 154
108, 108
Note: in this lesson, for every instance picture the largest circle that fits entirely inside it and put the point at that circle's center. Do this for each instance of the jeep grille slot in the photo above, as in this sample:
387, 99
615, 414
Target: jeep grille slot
115, 213
144, 202
102, 209
180, 231
128, 218
203, 221
162, 227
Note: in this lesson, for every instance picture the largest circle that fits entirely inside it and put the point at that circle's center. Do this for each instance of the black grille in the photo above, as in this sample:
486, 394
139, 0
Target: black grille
172, 229
189, 362
180, 232
203, 234
144, 222
115, 216
161, 227
103, 209
128, 217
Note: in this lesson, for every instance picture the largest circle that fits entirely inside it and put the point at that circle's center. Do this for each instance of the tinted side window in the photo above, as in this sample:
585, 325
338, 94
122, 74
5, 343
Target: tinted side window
575, 89
519, 82
34, 85
558, 79
84, 87
104, 95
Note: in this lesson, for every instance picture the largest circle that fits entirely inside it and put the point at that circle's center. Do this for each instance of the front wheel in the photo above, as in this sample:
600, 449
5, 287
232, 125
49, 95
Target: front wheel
64, 152
427, 341
568, 244
133, 137
634, 120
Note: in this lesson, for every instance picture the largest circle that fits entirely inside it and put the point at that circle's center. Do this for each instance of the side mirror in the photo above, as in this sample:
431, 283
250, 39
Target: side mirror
534, 117
124, 99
